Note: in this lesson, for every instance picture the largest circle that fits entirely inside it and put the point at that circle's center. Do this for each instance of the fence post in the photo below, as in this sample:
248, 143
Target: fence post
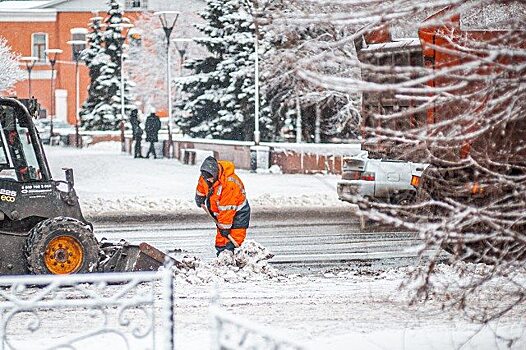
168, 305
215, 323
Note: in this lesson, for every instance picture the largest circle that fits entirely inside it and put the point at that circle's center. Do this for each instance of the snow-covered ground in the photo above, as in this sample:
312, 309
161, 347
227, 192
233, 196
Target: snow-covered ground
109, 183
354, 306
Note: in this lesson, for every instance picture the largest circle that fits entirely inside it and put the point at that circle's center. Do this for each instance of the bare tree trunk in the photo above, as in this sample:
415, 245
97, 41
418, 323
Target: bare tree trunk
317, 123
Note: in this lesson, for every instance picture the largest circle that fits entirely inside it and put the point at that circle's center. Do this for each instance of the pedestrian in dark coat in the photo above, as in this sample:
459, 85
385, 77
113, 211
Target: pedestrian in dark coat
134, 121
138, 140
136, 134
152, 127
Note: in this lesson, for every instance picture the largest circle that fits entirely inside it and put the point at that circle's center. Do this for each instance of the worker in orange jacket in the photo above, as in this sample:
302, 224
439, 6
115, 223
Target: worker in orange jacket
221, 193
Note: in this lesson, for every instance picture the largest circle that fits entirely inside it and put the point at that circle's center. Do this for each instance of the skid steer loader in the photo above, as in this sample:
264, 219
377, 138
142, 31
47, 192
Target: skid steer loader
42, 229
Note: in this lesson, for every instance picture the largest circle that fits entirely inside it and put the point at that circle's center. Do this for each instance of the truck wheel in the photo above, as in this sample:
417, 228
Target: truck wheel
61, 246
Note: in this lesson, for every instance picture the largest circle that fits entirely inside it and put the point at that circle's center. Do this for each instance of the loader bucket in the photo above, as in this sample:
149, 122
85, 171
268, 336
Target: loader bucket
125, 257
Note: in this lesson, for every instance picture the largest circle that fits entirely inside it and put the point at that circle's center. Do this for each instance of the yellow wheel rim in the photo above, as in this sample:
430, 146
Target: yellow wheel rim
63, 255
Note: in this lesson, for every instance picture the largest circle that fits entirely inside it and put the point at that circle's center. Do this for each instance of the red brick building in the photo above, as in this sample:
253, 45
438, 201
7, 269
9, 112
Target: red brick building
31, 27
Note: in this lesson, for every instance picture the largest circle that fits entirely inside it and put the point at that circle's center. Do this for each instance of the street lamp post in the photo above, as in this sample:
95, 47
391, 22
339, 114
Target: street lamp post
52, 57
30, 63
168, 19
77, 47
125, 27
253, 8
257, 134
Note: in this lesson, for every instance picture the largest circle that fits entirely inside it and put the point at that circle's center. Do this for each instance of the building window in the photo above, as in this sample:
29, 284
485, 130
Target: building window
136, 4
78, 34
39, 46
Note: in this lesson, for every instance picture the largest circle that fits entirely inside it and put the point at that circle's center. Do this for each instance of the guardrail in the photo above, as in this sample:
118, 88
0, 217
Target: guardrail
117, 310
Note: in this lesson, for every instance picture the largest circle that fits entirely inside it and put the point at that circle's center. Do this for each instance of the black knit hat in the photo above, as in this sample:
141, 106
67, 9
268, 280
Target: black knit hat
211, 167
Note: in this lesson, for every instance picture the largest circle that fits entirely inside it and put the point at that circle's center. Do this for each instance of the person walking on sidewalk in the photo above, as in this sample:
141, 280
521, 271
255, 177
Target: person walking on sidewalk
136, 134
152, 127
138, 140
221, 193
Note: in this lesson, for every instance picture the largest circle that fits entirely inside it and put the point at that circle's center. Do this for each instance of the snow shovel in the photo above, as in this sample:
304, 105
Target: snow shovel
230, 238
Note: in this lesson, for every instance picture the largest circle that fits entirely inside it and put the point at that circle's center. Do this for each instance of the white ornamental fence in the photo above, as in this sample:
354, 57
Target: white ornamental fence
116, 310
231, 332
113, 311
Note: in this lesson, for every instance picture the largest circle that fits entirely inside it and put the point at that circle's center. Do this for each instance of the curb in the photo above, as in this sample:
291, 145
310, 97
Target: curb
271, 214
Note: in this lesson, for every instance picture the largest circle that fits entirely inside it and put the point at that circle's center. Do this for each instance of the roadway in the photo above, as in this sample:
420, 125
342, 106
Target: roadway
299, 240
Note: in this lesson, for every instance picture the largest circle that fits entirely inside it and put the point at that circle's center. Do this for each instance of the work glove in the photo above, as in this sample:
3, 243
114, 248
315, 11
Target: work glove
224, 232
199, 200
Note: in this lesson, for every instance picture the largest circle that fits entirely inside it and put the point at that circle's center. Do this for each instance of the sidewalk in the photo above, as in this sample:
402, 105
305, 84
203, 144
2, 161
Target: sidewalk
111, 184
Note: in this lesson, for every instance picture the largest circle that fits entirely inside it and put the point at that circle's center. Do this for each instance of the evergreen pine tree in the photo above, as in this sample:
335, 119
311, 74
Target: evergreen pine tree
105, 113
95, 59
219, 96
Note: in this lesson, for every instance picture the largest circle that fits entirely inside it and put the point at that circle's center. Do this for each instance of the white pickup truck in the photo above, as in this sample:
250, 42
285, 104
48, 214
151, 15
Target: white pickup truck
390, 181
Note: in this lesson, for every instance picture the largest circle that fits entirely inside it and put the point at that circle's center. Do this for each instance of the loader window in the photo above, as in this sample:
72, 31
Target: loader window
18, 145
4, 163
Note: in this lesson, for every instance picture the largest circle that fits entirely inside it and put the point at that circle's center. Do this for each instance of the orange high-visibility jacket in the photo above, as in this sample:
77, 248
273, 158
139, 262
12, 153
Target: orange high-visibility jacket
227, 202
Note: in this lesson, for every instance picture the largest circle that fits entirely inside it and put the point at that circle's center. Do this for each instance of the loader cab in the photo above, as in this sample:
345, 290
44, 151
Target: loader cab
21, 156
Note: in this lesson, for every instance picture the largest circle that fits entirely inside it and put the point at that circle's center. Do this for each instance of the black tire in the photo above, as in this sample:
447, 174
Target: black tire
403, 198
61, 246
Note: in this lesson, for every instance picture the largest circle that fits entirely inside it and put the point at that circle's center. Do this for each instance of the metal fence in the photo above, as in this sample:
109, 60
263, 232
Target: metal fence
229, 332
117, 310
112, 310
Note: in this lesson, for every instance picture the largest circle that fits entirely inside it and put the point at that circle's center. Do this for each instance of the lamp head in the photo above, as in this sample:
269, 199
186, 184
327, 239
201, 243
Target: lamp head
167, 18
52, 54
53, 51
29, 60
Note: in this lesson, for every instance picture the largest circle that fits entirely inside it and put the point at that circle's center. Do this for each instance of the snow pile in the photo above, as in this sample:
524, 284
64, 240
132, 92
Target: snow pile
141, 205
333, 149
300, 200
273, 169
248, 263
137, 205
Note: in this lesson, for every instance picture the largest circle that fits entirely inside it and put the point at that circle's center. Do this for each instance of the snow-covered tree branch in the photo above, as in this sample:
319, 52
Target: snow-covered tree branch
10, 72
441, 82
314, 111
147, 57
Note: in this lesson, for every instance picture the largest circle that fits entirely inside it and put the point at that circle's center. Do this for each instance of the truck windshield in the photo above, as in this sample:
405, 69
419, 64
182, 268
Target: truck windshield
18, 145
